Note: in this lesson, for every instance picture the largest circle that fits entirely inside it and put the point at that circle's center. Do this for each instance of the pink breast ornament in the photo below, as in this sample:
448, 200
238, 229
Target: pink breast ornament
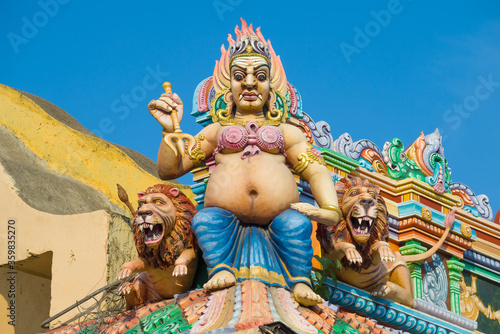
252, 138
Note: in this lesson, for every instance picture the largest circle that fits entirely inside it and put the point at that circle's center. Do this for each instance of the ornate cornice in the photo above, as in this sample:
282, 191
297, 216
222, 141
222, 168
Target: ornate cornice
338, 160
479, 270
486, 261
424, 318
412, 208
431, 229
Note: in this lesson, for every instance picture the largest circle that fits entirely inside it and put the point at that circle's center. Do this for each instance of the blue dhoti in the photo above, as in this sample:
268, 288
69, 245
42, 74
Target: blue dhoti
278, 254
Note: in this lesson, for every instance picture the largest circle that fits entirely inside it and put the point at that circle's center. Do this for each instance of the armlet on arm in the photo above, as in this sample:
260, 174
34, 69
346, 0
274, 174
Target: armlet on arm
310, 156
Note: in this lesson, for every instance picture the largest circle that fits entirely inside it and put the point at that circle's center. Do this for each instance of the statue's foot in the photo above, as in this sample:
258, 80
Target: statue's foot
305, 295
223, 279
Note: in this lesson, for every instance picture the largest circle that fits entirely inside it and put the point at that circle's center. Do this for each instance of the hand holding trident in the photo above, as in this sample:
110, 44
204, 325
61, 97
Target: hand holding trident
165, 111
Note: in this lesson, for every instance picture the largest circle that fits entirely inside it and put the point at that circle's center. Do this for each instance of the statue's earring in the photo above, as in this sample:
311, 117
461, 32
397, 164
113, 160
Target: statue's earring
226, 114
273, 114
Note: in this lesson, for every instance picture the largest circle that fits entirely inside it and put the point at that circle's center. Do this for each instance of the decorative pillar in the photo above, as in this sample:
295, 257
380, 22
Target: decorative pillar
455, 268
411, 248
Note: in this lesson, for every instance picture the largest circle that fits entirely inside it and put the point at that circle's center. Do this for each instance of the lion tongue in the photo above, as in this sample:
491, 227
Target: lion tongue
153, 233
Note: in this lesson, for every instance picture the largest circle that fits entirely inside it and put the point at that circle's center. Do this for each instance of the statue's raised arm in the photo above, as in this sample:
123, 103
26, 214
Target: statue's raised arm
179, 152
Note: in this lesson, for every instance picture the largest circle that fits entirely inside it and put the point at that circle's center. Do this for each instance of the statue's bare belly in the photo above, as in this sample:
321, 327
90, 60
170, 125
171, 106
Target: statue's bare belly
254, 189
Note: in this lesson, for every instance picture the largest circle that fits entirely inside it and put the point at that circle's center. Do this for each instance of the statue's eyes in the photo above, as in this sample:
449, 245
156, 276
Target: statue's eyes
238, 76
372, 194
261, 76
158, 201
141, 203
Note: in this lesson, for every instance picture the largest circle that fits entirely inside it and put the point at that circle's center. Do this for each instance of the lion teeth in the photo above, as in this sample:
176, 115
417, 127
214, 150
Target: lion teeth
151, 227
360, 220
358, 230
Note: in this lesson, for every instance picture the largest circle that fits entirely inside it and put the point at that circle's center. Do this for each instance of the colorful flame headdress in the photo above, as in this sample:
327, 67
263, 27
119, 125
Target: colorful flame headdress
249, 43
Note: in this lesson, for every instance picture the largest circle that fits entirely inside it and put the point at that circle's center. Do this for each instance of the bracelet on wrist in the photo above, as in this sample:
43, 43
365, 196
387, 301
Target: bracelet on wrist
333, 208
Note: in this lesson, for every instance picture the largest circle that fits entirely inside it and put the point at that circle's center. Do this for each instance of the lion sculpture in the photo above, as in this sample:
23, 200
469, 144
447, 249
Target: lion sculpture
166, 246
359, 242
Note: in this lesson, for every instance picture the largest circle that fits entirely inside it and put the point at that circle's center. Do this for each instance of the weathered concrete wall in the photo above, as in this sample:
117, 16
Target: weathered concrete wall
78, 244
61, 194
121, 246
31, 312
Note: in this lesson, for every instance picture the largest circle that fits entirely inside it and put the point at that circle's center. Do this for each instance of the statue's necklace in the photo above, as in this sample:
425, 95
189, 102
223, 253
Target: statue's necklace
233, 121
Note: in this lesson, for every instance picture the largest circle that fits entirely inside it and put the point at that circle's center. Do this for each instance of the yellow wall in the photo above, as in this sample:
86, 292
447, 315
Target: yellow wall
70, 152
78, 243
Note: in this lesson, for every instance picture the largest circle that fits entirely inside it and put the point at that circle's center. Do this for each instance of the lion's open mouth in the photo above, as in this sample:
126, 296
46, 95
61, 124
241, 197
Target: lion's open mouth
361, 225
152, 232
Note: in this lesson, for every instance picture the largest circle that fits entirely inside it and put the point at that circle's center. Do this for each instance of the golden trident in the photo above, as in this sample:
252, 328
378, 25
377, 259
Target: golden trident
177, 141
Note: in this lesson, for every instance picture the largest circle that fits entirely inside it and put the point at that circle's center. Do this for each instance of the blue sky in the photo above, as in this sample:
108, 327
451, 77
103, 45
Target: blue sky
103, 63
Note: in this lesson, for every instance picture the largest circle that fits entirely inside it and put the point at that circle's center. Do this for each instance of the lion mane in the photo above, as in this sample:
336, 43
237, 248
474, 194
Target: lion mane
327, 235
180, 238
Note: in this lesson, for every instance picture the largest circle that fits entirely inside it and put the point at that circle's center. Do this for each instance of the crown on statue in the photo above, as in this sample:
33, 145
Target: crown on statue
249, 43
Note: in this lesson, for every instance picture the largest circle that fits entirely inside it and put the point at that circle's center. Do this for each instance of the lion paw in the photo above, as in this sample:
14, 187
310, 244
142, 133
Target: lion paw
180, 270
305, 295
383, 290
126, 289
353, 255
130, 293
223, 279
124, 272
386, 254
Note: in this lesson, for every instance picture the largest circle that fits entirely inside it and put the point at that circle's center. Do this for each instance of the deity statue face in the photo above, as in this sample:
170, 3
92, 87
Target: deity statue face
250, 83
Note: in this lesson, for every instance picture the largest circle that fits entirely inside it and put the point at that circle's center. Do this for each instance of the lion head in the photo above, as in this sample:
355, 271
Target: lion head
364, 219
162, 225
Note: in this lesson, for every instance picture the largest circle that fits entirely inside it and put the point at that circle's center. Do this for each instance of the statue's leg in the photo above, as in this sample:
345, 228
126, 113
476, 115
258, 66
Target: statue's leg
214, 229
135, 292
129, 292
398, 287
290, 234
